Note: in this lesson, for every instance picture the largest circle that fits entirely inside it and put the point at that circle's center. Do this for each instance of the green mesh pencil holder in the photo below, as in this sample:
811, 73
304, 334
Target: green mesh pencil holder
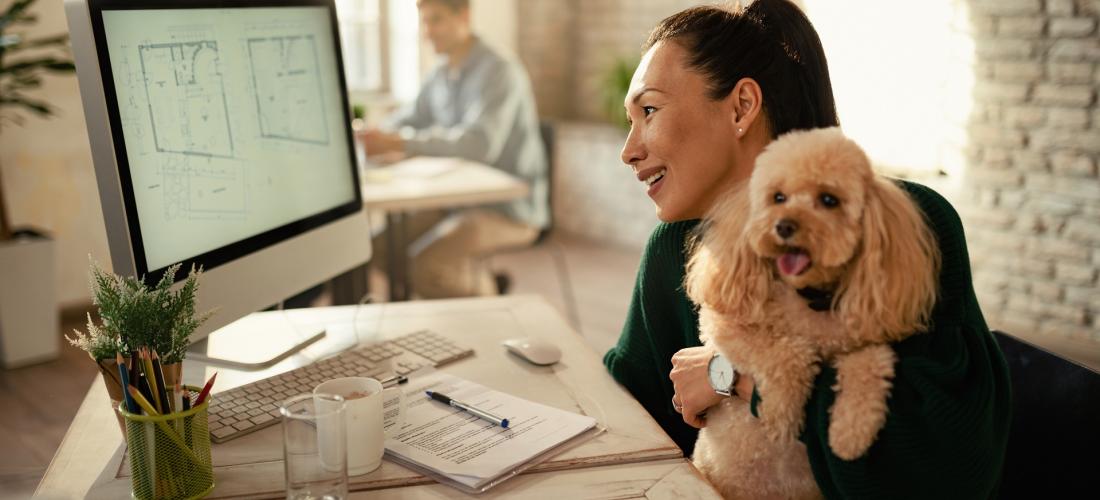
169, 454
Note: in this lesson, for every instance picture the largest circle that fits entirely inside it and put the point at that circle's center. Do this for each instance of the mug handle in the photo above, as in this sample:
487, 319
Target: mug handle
402, 406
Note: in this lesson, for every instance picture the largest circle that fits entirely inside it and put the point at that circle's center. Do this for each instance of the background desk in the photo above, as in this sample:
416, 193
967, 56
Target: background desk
634, 458
429, 184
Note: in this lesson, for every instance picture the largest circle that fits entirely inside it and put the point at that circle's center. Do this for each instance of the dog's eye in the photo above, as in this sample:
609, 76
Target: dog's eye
829, 200
779, 197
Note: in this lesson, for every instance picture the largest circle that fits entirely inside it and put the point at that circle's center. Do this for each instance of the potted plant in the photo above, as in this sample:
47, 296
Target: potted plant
616, 83
134, 316
28, 306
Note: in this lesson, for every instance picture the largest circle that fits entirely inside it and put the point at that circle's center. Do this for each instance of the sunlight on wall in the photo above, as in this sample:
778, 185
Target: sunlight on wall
902, 77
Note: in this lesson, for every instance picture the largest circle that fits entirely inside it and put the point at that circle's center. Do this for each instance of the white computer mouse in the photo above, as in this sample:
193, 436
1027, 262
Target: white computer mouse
537, 351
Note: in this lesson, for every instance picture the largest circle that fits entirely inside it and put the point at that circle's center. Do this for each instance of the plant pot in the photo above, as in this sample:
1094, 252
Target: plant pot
109, 369
29, 323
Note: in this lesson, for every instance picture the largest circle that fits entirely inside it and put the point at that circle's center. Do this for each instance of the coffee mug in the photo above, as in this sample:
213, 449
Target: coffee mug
365, 415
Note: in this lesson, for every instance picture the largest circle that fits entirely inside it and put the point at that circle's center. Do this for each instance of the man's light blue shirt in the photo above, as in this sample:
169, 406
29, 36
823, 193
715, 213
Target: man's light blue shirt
484, 111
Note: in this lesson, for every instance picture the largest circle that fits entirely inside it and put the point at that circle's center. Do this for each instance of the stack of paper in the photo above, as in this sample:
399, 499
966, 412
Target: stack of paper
458, 447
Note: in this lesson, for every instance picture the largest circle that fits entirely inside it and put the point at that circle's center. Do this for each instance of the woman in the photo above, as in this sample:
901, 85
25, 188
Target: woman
714, 88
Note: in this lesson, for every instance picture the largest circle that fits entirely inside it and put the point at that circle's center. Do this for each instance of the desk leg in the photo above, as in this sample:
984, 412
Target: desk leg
403, 234
396, 252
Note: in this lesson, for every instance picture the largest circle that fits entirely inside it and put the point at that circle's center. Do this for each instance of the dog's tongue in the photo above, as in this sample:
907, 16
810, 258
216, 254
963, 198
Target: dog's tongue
793, 263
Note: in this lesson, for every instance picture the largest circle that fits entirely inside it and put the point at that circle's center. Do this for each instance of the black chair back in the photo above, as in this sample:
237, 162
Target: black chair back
1054, 441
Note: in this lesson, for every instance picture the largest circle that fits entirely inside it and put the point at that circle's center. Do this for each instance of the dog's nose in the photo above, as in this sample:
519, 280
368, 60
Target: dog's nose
785, 228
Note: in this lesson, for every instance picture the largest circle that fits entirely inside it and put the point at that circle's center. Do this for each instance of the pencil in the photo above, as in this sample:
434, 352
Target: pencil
124, 378
206, 390
147, 362
162, 391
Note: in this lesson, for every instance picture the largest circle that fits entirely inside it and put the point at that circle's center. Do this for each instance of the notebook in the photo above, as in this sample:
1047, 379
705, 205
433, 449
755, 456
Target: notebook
467, 452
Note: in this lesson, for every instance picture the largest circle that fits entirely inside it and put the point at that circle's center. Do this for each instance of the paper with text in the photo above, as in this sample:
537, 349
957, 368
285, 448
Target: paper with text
468, 449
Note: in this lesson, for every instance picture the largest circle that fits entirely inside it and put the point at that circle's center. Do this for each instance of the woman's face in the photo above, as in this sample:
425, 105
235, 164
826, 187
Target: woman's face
682, 144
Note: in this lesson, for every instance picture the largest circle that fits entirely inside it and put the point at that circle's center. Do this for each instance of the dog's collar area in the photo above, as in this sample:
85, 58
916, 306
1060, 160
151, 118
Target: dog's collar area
818, 299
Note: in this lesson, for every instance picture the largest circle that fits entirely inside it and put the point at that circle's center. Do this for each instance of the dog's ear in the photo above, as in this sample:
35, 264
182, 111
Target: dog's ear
891, 288
724, 273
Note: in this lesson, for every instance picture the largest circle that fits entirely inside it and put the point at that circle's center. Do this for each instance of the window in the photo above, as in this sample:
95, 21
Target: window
361, 35
902, 79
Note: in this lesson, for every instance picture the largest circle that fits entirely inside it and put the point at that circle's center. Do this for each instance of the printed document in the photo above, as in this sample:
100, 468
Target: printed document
465, 448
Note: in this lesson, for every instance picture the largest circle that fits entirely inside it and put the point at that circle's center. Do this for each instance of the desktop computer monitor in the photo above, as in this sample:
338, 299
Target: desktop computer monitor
220, 134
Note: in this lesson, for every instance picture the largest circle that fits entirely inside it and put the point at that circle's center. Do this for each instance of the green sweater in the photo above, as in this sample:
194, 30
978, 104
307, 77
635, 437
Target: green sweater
949, 409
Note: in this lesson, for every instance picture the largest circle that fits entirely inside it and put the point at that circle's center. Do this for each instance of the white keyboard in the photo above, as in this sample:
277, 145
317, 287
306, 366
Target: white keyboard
253, 406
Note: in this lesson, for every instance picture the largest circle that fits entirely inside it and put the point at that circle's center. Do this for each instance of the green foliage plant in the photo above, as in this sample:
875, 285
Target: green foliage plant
23, 61
133, 315
616, 83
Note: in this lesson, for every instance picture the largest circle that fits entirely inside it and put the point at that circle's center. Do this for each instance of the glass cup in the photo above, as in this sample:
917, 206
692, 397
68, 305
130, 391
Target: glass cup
315, 447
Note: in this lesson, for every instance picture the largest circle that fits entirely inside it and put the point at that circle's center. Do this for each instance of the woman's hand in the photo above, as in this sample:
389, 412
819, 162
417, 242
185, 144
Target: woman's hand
689, 379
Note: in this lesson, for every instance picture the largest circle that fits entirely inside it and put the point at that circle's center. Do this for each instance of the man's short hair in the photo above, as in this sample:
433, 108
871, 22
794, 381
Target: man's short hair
455, 5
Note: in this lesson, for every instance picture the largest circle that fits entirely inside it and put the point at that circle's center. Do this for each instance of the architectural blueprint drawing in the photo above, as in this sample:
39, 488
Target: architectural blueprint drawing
287, 82
186, 96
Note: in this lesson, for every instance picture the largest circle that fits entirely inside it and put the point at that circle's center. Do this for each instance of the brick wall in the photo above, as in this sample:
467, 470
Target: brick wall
1032, 212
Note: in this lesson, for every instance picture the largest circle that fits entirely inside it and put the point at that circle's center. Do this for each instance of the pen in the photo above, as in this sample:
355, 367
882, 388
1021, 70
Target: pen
503, 422
131, 406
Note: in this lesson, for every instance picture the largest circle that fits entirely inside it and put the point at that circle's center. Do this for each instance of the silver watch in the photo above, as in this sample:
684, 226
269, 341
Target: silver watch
722, 375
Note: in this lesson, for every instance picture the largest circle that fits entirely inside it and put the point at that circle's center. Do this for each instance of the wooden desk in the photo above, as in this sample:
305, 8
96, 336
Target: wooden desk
424, 183
634, 458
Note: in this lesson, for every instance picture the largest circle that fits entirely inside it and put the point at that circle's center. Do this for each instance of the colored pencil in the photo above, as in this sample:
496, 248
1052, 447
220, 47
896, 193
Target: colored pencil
165, 401
124, 378
147, 362
206, 390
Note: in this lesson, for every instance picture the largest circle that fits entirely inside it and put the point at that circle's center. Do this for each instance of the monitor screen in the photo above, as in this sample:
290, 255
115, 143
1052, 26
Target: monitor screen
230, 126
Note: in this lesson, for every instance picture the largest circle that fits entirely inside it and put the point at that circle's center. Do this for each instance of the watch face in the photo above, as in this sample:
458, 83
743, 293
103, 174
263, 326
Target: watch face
720, 372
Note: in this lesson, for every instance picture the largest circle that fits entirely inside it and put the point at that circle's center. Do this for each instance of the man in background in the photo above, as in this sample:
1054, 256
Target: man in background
479, 106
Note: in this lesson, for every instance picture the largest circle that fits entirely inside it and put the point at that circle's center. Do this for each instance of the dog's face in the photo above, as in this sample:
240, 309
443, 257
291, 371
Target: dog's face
806, 204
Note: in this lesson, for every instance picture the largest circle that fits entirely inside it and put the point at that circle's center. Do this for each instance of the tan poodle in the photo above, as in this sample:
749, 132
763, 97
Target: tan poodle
814, 260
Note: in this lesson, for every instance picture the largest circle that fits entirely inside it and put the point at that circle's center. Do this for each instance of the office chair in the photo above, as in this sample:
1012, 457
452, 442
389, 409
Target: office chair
553, 248
1054, 441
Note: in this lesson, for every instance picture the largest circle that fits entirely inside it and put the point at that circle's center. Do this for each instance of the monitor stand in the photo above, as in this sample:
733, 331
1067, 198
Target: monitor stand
254, 342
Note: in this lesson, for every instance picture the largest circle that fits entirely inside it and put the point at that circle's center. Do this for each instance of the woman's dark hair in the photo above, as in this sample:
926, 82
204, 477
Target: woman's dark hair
771, 42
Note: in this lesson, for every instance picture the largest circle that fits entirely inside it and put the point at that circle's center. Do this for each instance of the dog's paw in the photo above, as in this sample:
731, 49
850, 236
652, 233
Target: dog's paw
852, 434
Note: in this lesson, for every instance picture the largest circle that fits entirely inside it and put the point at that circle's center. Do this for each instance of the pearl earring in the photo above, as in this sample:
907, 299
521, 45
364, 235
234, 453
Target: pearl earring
740, 130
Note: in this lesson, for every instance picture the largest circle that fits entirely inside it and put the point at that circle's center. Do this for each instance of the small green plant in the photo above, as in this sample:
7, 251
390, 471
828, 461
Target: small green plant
133, 315
616, 83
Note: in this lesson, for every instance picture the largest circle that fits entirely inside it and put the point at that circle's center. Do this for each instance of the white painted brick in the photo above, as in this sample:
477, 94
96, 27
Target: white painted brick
981, 24
1073, 165
1021, 303
1012, 199
1053, 204
1096, 257
996, 49
1046, 291
1006, 7
993, 135
1074, 274
1049, 139
1057, 249
1033, 268
1054, 327
980, 176
1028, 160
1082, 295
1001, 92
1088, 191
1084, 231
1069, 95
1070, 72
1071, 27
1014, 321
1005, 243
1075, 50
1024, 116
1067, 118
1073, 315
1021, 27
1060, 7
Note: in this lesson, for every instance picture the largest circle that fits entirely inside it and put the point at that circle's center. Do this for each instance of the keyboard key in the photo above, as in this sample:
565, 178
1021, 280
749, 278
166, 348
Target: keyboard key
243, 426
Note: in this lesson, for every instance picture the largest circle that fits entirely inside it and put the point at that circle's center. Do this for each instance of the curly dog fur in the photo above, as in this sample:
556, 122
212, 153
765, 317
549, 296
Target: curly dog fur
812, 216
